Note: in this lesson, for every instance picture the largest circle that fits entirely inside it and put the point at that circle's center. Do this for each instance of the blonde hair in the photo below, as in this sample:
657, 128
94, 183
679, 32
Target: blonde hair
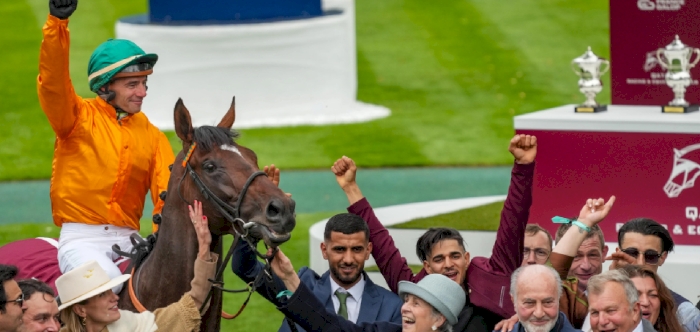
71, 320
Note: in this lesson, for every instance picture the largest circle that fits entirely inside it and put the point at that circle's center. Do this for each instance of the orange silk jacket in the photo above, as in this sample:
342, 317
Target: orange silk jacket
102, 168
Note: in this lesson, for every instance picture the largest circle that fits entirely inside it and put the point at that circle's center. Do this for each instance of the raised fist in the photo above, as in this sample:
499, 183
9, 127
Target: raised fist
523, 148
62, 9
344, 170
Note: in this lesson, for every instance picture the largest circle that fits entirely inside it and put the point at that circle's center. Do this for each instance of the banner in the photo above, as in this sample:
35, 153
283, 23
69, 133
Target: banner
638, 28
653, 175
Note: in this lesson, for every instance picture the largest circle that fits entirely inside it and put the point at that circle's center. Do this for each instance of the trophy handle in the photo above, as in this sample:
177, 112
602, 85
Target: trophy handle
607, 66
697, 57
658, 57
576, 69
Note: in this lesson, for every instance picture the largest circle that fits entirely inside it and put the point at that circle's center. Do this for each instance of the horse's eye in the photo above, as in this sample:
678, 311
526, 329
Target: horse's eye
209, 167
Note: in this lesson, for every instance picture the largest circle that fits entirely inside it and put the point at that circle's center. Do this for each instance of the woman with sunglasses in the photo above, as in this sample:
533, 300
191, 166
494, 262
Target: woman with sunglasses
89, 305
655, 299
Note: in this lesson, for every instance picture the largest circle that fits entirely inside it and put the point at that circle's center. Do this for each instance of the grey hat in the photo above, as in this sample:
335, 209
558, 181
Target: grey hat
439, 291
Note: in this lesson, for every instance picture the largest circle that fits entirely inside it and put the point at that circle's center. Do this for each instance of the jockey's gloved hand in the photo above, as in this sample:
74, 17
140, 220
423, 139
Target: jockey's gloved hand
62, 9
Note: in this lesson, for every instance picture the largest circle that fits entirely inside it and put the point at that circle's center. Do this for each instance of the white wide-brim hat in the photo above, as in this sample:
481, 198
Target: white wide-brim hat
439, 291
85, 282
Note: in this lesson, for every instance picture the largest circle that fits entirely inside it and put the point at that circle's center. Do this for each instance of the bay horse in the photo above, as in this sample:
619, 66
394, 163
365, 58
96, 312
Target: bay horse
237, 199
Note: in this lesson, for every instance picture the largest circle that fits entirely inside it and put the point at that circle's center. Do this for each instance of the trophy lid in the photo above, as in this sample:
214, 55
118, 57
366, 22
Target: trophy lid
588, 57
676, 45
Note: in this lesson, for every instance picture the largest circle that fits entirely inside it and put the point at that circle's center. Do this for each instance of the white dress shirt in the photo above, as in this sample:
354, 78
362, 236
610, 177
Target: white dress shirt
353, 301
587, 325
639, 327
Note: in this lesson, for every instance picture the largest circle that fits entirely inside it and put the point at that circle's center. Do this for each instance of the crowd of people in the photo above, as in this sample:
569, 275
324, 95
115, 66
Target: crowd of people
531, 282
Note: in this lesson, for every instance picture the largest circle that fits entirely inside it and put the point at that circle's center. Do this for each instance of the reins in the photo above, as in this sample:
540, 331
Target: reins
240, 227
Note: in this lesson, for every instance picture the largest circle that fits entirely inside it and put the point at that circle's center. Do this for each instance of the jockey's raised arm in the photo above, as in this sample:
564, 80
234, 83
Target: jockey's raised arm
107, 154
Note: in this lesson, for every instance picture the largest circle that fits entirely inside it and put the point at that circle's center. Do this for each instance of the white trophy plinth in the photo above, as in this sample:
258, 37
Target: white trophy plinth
283, 73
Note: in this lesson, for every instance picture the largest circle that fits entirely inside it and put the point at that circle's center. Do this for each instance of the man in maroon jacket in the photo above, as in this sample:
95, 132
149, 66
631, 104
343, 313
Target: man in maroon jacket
486, 281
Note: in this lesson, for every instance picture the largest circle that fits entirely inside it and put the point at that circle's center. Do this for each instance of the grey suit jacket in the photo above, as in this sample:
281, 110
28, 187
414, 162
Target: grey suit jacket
647, 327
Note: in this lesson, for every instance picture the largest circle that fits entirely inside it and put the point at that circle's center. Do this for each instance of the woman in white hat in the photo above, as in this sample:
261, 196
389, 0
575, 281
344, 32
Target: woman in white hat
89, 305
432, 304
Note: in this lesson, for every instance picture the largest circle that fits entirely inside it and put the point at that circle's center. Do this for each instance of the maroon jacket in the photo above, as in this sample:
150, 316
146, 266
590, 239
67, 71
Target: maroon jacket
488, 279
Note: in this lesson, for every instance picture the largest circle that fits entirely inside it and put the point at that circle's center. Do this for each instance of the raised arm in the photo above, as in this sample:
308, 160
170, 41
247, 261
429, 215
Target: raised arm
57, 97
593, 212
392, 265
507, 256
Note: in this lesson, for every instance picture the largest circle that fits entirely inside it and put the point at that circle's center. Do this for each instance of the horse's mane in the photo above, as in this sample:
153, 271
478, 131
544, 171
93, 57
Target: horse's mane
208, 137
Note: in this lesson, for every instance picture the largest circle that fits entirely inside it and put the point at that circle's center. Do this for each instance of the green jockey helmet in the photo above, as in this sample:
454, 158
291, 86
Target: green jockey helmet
118, 58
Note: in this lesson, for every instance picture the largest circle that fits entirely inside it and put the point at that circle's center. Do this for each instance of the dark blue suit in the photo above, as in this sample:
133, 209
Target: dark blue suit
378, 304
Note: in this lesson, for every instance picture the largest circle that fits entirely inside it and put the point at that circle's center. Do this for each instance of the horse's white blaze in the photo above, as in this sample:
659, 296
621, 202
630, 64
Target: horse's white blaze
231, 148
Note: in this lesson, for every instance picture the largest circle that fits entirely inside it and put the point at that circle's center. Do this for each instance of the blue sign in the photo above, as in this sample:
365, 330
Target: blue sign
230, 11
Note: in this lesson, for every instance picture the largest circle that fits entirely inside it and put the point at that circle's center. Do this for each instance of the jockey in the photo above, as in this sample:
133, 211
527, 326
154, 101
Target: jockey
107, 154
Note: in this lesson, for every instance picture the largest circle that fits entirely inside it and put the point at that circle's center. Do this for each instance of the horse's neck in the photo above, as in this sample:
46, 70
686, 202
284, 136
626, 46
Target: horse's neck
167, 272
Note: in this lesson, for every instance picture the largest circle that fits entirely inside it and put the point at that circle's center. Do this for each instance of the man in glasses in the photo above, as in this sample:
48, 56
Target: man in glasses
643, 241
11, 300
41, 314
537, 245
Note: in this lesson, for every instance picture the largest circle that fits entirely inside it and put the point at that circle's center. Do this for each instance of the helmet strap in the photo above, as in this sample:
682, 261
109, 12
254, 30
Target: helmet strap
108, 95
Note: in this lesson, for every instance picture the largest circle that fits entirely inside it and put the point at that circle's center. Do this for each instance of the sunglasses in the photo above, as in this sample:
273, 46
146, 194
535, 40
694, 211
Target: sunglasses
650, 256
19, 301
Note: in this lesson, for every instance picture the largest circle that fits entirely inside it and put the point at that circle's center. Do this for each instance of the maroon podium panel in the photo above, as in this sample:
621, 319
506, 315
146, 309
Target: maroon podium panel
653, 175
638, 28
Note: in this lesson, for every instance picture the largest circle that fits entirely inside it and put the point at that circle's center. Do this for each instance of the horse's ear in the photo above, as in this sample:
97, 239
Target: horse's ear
230, 117
183, 123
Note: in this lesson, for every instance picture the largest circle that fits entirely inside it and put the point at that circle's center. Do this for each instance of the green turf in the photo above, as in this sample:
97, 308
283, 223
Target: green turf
414, 268
453, 73
481, 218
259, 315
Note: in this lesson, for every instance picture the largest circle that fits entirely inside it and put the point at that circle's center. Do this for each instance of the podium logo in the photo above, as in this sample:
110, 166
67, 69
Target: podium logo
651, 61
684, 173
666, 5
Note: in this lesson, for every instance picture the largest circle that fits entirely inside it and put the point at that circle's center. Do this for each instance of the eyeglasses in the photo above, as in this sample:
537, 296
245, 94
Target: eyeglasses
650, 256
539, 253
19, 301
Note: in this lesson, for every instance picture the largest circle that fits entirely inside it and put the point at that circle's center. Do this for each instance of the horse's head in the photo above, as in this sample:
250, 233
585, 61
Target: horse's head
684, 172
226, 169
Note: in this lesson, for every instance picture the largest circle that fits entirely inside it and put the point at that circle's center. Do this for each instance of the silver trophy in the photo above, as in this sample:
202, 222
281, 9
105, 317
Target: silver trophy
589, 67
675, 57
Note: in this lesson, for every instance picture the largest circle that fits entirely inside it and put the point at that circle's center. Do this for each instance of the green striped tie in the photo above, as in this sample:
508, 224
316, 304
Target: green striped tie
342, 297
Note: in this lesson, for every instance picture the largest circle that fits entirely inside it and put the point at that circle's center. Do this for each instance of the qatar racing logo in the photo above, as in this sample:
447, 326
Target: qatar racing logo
651, 61
646, 5
684, 172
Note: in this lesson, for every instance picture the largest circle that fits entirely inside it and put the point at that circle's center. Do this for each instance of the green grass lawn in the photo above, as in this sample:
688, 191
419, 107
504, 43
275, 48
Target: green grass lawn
480, 218
453, 73
259, 315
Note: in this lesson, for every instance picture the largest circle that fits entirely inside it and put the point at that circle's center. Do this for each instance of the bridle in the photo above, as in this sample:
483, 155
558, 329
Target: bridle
240, 227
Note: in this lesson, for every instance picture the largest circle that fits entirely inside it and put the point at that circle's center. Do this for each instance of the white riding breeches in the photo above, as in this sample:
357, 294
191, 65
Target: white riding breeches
81, 243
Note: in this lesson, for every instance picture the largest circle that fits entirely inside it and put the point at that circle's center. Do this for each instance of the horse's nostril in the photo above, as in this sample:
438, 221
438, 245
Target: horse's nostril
274, 209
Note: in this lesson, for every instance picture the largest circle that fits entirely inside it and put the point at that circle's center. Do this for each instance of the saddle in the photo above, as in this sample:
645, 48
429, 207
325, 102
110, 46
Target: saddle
38, 258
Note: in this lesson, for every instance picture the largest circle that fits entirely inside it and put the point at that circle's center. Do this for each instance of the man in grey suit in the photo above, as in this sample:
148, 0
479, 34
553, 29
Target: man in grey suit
613, 304
345, 289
